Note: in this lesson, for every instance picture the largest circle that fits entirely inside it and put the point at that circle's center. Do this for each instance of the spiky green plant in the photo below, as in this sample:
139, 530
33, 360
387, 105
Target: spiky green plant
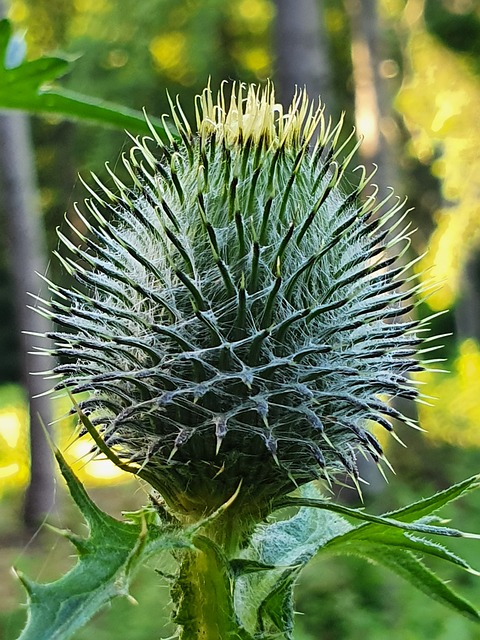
238, 316
238, 330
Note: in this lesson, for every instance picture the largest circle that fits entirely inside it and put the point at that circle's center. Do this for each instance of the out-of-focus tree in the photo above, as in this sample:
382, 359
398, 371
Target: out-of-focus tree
439, 102
373, 118
20, 212
302, 55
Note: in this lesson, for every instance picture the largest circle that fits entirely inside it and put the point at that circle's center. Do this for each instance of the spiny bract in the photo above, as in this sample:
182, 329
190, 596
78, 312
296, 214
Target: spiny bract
238, 316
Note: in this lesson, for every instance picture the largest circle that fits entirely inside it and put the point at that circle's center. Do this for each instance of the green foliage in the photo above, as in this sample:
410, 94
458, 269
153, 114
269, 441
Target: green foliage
107, 560
29, 86
249, 597
290, 544
457, 27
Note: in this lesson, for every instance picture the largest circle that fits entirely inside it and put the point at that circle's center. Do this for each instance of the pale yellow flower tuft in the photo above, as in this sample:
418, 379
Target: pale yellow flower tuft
253, 114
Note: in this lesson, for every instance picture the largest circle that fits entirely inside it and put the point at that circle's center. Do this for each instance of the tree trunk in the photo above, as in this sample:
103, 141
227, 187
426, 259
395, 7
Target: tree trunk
371, 99
467, 308
301, 49
23, 228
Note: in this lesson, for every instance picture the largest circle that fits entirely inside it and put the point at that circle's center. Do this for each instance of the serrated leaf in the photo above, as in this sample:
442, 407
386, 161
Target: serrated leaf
417, 513
29, 86
389, 540
398, 539
106, 563
430, 505
286, 545
409, 567
406, 523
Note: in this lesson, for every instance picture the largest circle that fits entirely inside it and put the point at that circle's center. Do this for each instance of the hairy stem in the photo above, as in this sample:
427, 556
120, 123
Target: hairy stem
203, 594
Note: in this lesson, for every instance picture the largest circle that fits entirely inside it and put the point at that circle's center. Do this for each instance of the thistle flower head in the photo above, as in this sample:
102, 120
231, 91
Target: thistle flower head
239, 315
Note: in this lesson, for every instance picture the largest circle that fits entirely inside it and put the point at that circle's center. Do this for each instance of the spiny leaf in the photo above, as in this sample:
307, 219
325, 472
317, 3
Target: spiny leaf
243, 566
415, 512
297, 539
107, 560
396, 539
386, 520
286, 546
430, 505
386, 543
406, 565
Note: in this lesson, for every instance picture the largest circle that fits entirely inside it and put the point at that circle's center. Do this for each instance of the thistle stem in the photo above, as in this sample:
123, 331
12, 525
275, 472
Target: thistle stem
203, 594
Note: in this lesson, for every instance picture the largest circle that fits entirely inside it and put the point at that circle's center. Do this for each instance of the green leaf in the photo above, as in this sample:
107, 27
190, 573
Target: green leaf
29, 86
410, 518
383, 540
297, 539
265, 596
395, 537
401, 541
388, 540
430, 505
416, 513
107, 560
29, 76
243, 566
406, 565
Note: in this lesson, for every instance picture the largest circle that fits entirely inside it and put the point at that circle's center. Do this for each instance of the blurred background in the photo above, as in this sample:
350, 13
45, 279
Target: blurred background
407, 76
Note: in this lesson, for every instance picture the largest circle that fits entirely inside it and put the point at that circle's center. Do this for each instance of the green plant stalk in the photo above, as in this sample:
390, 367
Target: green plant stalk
203, 594
204, 590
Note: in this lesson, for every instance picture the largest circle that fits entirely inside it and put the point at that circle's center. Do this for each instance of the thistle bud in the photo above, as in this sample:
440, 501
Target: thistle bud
239, 320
